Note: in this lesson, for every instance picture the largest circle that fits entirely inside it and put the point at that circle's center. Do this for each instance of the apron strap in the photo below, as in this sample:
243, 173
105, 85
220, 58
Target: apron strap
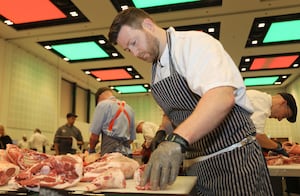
120, 110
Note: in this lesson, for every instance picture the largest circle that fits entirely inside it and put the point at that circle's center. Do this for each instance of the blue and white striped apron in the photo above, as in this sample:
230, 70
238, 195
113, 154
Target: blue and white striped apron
241, 171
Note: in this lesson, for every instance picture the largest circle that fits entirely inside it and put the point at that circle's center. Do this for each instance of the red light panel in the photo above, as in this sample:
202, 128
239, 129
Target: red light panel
273, 62
29, 11
112, 74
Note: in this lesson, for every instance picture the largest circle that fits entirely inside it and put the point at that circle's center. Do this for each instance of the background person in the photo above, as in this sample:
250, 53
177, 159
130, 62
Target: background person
148, 129
202, 93
23, 143
66, 134
4, 139
114, 121
38, 141
279, 106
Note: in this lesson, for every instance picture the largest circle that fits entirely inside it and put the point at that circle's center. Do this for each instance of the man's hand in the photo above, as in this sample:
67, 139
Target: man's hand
280, 150
159, 137
163, 166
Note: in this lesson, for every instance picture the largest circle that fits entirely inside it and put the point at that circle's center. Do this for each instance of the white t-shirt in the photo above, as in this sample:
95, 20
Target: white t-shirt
37, 141
261, 103
203, 62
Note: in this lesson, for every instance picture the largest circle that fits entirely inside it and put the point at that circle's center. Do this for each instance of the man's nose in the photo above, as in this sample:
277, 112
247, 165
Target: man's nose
134, 52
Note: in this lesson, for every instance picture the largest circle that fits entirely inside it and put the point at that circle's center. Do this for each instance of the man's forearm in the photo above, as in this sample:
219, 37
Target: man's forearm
93, 141
265, 142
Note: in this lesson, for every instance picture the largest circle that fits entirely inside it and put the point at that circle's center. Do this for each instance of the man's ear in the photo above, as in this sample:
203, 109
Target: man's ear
148, 24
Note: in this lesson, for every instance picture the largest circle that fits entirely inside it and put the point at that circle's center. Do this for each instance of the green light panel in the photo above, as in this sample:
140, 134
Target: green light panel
80, 51
159, 6
155, 3
140, 88
283, 31
260, 81
274, 30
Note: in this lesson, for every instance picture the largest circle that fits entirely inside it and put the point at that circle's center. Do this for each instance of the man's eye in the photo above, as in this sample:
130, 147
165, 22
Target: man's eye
133, 43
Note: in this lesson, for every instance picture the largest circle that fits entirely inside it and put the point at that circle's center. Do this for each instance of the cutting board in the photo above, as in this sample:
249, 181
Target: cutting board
182, 186
292, 170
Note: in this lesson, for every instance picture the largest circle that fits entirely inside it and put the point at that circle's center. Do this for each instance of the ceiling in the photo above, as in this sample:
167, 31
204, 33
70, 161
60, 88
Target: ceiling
235, 17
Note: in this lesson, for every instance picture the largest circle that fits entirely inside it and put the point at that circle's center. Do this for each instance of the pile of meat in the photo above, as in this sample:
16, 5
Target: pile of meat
32, 170
293, 149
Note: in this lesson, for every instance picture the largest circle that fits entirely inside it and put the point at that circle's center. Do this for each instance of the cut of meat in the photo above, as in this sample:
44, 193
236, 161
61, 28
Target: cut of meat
282, 160
291, 148
24, 158
7, 171
111, 160
138, 177
110, 178
56, 172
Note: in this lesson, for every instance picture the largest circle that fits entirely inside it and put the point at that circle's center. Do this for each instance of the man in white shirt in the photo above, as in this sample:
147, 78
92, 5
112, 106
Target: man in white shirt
38, 141
279, 106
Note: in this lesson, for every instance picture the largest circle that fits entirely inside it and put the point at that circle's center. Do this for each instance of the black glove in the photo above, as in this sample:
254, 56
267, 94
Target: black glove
159, 137
280, 150
163, 165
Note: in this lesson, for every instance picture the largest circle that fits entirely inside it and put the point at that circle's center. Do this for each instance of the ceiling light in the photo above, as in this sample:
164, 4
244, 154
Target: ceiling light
124, 7
156, 6
83, 48
101, 41
283, 31
261, 25
254, 42
264, 80
269, 62
272, 30
128, 89
114, 73
207, 28
211, 30
48, 47
39, 13
74, 14
8, 22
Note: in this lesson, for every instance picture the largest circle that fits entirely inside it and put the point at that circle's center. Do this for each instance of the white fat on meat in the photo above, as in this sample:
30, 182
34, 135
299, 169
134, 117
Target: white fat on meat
110, 178
7, 171
137, 177
111, 160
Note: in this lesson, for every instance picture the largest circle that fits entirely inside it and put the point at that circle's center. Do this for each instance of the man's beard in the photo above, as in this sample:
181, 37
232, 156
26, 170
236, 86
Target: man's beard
153, 47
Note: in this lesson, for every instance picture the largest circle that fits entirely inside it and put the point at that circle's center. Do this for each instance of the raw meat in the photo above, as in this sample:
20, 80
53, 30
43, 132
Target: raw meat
291, 148
24, 158
138, 177
7, 171
56, 172
110, 178
111, 160
282, 160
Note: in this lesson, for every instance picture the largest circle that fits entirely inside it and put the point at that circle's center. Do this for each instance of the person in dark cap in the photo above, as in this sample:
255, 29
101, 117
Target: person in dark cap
66, 135
114, 122
279, 106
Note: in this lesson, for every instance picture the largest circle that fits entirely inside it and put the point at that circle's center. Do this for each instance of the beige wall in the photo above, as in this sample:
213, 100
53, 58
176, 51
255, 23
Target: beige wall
31, 96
